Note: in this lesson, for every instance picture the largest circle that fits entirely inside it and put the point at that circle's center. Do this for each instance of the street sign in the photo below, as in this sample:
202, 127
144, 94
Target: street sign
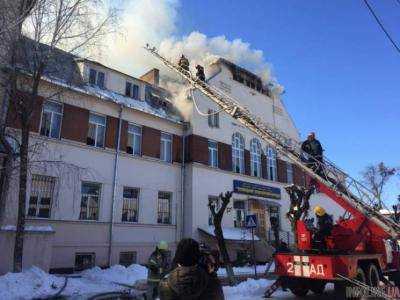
251, 221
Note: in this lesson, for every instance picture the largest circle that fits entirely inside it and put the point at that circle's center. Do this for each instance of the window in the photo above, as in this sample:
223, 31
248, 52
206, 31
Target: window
84, 261
274, 216
240, 213
255, 157
51, 119
213, 154
238, 153
90, 201
166, 147
41, 197
134, 140
127, 258
96, 78
289, 172
164, 208
97, 130
130, 205
132, 90
213, 118
271, 164
216, 203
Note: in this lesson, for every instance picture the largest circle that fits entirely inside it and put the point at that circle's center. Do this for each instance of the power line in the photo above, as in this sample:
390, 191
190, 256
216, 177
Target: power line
381, 25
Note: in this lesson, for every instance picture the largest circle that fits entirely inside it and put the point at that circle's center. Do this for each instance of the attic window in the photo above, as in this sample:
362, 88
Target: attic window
132, 90
96, 78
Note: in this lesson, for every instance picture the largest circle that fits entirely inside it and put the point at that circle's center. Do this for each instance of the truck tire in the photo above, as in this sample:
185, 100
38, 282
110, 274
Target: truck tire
360, 275
317, 287
299, 291
373, 275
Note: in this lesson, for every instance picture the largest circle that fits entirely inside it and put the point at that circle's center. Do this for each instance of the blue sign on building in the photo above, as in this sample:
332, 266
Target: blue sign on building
251, 221
259, 190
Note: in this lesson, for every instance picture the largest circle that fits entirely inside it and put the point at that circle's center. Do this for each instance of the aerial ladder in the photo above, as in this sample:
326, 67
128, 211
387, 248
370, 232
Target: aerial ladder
365, 237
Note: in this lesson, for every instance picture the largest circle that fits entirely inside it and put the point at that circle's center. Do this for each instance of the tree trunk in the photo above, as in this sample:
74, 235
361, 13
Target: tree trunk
23, 174
219, 235
4, 184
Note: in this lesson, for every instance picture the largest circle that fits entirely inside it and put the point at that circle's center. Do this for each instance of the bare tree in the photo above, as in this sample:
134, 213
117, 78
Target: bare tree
75, 26
217, 215
376, 177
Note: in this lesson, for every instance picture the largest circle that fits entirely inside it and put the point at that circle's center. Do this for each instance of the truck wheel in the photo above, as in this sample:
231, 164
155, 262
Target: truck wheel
299, 291
318, 287
360, 275
373, 276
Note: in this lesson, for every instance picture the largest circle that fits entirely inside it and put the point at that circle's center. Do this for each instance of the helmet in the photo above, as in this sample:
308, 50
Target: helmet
162, 245
319, 211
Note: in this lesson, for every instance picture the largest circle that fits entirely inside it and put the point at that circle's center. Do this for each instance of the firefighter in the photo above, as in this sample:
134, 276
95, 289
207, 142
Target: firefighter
158, 265
324, 227
184, 63
312, 147
200, 73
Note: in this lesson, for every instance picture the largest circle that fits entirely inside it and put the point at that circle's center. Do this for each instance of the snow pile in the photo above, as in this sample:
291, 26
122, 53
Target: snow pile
32, 283
247, 270
116, 274
247, 289
232, 233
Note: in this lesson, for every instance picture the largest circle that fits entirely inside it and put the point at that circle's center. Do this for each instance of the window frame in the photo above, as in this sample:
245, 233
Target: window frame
51, 119
92, 254
134, 134
133, 87
238, 147
243, 211
272, 169
163, 212
96, 129
213, 118
289, 172
96, 83
137, 199
39, 196
255, 157
100, 186
211, 152
163, 146
127, 252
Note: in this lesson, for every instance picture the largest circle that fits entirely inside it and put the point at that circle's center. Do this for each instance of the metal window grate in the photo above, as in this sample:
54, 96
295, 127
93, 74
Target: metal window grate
164, 208
41, 196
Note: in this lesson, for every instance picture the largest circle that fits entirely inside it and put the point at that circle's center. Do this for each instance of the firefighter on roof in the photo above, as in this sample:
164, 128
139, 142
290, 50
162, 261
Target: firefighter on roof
158, 265
324, 227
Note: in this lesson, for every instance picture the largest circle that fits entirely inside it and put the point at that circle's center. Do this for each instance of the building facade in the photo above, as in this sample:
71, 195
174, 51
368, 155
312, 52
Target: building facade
116, 169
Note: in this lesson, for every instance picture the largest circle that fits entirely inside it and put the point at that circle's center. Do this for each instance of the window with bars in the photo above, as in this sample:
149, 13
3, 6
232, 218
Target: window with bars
213, 154
51, 119
97, 78
289, 172
85, 260
41, 197
238, 153
240, 214
90, 201
213, 118
166, 147
127, 258
216, 203
97, 130
255, 157
130, 205
271, 164
134, 140
164, 208
132, 90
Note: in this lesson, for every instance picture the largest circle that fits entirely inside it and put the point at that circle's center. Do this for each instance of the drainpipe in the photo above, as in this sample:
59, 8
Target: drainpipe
183, 184
111, 227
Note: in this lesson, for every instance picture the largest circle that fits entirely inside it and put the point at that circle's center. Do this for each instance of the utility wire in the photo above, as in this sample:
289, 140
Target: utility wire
381, 25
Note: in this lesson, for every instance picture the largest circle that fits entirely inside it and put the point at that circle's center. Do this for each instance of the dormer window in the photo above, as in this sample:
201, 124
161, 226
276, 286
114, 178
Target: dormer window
132, 90
96, 78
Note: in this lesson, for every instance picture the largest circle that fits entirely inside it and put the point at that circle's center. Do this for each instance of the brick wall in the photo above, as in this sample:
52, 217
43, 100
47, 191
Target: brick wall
75, 123
264, 171
281, 166
177, 148
197, 149
151, 142
225, 157
124, 136
111, 132
298, 176
247, 162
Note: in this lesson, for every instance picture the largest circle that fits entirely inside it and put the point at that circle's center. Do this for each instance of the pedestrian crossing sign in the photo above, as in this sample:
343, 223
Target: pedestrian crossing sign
251, 221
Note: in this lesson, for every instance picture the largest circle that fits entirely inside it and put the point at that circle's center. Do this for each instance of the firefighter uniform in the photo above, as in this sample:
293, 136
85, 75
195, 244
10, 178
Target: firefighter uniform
158, 265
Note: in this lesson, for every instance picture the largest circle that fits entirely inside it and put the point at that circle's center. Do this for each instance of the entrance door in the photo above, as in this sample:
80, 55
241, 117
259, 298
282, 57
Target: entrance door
259, 210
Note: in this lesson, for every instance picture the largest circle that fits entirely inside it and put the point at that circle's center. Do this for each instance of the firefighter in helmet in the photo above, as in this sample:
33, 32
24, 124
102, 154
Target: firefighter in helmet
184, 63
324, 227
158, 266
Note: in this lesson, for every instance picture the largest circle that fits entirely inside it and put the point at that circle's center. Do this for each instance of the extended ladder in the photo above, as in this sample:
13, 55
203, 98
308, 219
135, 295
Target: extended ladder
352, 191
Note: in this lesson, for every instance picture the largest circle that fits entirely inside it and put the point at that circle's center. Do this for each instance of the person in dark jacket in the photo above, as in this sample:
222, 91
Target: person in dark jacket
312, 147
158, 265
324, 227
189, 280
184, 63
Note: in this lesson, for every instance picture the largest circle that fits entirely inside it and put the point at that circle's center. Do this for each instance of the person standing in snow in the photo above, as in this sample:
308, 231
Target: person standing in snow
190, 280
158, 265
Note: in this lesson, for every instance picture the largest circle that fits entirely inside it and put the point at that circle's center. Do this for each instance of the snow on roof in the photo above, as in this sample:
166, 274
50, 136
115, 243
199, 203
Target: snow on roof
231, 233
386, 211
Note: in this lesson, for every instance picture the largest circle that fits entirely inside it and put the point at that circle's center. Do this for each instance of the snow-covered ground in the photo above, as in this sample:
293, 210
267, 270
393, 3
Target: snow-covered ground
247, 270
35, 283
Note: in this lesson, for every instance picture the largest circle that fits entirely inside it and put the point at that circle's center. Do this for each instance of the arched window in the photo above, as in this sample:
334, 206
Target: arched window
255, 157
238, 153
271, 163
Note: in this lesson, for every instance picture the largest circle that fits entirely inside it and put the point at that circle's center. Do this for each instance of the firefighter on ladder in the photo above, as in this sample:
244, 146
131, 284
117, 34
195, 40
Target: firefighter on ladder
324, 227
312, 147
184, 63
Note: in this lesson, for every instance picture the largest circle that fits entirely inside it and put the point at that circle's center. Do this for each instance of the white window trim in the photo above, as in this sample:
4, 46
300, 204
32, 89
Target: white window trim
289, 170
87, 204
38, 200
169, 207
212, 163
133, 140
97, 75
51, 121
163, 146
271, 164
97, 125
241, 143
255, 156
131, 91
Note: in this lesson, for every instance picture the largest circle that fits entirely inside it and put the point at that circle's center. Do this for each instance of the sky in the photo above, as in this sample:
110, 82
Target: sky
339, 71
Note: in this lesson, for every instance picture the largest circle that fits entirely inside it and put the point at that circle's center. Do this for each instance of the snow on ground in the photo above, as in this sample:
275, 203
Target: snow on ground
35, 283
247, 270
